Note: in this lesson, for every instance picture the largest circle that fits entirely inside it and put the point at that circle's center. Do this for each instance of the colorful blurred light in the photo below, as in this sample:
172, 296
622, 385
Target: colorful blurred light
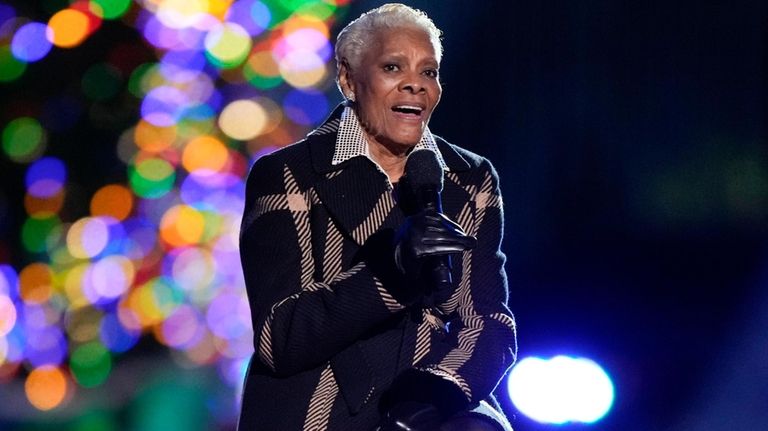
252, 15
10, 67
110, 9
46, 387
7, 315
35, 283
90, 364
46, 177
152, 178
227, 45
31, 42
112, 200
24, 139
152, 255
68, 28
87, 237
204, 154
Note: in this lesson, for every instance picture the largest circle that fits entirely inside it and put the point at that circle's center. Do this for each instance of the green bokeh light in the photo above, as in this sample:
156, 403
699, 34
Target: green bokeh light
35, 233
112, 9
151, 178
23, 139
90, 364
137, 83
317, 9
10, 67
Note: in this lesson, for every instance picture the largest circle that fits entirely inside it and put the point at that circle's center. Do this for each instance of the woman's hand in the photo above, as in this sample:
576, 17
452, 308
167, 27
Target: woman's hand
425, 234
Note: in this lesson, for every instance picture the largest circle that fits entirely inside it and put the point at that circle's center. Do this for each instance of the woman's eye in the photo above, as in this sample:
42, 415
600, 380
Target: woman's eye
391, 67
432, 73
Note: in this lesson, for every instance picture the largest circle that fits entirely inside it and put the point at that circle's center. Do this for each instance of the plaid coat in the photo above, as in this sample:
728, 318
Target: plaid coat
329, 334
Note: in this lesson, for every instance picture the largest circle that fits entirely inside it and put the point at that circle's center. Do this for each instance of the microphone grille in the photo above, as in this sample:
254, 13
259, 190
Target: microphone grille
423, 170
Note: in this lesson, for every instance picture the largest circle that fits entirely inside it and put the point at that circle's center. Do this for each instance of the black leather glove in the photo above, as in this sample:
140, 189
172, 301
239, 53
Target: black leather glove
411, 416
425, 234
419, 400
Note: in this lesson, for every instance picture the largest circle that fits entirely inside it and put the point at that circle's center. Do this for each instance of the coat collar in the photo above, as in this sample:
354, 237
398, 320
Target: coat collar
359, 195
323, 143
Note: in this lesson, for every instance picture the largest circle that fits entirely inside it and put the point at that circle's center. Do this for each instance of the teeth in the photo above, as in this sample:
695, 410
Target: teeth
414, 108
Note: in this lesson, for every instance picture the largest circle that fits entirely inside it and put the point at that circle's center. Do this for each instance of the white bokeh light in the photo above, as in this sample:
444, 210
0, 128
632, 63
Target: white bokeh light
561, 389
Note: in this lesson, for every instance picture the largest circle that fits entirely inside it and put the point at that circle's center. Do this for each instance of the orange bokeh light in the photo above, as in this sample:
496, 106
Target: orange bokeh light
46, 387
112, 200
182, 225
44, 207
154, 139
204, 153
35, 283
69, 27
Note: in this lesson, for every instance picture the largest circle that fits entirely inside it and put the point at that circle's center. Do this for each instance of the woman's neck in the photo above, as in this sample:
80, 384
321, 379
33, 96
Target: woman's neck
391, 158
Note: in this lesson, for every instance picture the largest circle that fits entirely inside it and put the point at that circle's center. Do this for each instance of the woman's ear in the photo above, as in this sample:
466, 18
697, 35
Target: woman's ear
345, 78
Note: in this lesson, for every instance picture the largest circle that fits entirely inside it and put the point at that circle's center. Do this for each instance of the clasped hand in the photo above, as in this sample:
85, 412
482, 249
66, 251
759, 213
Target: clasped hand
428, 233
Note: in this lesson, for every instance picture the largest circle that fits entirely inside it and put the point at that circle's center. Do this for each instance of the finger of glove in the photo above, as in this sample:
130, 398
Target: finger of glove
433, 237
439, 249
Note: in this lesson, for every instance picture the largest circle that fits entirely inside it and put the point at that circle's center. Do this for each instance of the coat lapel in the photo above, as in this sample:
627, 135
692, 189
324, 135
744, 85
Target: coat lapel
359, 196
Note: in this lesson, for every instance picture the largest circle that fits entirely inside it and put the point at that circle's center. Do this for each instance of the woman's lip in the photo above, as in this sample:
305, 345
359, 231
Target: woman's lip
408, 117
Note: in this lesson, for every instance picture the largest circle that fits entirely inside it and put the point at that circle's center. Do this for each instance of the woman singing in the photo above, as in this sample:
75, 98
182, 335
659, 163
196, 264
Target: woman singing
350, 330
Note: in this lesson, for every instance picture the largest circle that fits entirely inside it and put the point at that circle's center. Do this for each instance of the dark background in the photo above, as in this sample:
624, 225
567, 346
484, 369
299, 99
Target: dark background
630, 142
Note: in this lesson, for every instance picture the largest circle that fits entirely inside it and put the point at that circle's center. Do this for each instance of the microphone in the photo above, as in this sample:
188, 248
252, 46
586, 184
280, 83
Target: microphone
425, 176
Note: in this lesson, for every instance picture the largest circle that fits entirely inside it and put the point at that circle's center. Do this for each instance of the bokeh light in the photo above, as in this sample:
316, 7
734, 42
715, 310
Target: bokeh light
68, 28
152, 250
46, 387
31, 42
10, 67
46, 177
110, 9
24, 139
560, 389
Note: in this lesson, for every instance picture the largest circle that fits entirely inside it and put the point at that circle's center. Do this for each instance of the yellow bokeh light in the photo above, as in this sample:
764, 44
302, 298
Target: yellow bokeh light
87, 237
179, 14
301, 22
73, 285
46, 387
243, 119
36, 283
228, 45
112, 200
204, 154
219, 8
182, 225
69, 28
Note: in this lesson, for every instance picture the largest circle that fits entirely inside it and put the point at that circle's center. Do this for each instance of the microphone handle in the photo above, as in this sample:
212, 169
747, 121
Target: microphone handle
438, 266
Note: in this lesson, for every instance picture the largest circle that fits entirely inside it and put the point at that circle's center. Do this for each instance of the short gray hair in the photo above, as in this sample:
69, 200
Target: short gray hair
353, 39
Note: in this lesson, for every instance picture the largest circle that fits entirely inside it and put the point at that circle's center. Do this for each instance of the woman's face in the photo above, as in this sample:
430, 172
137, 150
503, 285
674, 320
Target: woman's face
396, 86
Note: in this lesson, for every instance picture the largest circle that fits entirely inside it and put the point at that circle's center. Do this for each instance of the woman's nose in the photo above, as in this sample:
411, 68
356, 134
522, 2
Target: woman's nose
413, 83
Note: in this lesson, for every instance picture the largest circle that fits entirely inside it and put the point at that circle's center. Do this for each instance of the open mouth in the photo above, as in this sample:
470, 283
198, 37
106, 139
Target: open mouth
408, 109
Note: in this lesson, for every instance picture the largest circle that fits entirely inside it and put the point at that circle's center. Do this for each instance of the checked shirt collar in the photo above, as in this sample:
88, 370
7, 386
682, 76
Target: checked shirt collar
351, 141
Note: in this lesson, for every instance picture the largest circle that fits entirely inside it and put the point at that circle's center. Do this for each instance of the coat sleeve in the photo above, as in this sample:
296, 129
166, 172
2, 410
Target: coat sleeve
480, 345
299, 323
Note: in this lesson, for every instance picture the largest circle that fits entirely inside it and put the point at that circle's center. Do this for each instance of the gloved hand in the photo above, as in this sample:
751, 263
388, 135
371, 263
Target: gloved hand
427, 233
411, 416
419, 400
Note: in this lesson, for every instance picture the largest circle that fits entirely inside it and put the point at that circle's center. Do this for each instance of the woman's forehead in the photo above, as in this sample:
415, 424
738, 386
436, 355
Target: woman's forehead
402, 40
